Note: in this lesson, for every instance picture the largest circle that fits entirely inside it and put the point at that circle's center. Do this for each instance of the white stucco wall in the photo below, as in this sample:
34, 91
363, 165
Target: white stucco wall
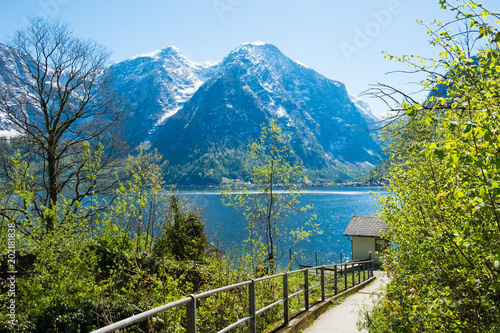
362, 246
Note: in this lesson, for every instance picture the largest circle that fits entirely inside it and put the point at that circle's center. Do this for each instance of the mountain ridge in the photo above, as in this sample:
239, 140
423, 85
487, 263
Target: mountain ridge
175, 76
256, 83
203, 115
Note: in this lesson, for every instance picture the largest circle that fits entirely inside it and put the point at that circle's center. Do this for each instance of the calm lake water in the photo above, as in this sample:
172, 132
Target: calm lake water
334, 207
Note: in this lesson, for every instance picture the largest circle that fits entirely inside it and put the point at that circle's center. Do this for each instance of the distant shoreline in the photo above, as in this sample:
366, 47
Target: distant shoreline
250, 186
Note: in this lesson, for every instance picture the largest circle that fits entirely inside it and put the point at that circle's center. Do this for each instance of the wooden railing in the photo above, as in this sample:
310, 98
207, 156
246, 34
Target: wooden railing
347, 273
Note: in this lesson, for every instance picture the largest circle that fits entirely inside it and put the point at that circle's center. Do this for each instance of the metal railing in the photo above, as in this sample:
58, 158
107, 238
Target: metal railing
362, 269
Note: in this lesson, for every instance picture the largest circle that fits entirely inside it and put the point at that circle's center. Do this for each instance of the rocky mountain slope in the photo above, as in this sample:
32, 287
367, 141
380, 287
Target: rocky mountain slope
255, 83
156, 86
202, 116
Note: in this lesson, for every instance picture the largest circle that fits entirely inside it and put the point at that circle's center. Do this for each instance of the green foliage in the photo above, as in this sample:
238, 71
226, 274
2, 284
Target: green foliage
379, 173
274, 175
141, 197
339, 173
91, 273
217, 164
184, 238
442, 213
21, 205
88, 275
208, 166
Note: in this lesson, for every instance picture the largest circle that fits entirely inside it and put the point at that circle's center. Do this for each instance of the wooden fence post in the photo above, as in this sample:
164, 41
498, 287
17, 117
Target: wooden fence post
345, 276
323, 283
335, 278
353, 275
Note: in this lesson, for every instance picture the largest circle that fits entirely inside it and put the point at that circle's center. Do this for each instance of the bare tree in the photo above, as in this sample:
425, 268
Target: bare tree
58, 99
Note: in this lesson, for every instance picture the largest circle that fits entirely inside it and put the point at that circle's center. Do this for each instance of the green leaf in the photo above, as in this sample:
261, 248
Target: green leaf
439, 153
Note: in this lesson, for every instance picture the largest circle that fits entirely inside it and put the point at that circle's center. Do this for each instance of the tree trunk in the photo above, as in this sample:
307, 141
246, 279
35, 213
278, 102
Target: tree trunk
53, 188
269, 218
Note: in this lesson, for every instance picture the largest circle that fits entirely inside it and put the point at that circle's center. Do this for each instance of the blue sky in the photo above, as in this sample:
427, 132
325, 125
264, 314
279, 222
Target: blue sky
342, 40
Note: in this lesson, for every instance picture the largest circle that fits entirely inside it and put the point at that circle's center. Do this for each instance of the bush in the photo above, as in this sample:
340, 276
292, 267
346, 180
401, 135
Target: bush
442, 209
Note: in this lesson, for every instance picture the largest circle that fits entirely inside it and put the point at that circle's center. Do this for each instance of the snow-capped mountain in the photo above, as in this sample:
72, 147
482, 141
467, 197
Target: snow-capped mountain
157, 85
202, 116
9, 85
255, 83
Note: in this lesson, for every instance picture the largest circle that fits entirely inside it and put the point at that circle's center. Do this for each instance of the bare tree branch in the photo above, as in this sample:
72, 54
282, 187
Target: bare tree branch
60, 101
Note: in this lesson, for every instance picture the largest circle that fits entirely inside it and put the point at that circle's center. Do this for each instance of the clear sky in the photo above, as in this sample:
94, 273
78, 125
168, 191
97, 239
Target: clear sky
340, 39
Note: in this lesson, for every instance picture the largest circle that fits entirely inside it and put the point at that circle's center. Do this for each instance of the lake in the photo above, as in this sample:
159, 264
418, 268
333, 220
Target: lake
334, 207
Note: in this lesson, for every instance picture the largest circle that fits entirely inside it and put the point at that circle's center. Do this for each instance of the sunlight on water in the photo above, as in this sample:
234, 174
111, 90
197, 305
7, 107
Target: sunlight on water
334, 208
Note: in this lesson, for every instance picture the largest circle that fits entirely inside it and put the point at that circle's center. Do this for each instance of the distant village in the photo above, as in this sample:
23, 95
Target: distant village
239, 182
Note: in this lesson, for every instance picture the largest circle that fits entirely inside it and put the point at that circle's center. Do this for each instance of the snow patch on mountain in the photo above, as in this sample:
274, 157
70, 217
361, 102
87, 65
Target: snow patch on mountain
364, 109
9, 133
281, 112
301, 64
255, 43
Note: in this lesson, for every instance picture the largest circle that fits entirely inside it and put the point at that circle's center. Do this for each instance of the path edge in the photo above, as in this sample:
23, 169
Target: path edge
299, 323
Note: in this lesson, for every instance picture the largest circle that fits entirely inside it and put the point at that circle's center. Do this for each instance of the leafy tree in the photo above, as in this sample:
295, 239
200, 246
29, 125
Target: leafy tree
55, 279
275, 178
184, 237
442, 212
60, 102
140, 202
80, 278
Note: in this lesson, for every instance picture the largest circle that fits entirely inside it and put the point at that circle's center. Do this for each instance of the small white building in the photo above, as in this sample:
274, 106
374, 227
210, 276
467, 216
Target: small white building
366, 238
